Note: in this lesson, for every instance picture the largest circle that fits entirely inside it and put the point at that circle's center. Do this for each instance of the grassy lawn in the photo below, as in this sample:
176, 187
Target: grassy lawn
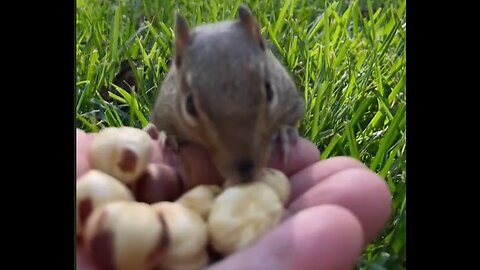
348, 58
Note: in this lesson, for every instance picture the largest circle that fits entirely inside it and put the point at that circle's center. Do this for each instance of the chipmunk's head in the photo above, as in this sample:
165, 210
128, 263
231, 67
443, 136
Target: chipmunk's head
226, 97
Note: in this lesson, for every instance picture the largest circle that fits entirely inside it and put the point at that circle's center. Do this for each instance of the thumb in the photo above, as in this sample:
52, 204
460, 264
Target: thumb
321, 237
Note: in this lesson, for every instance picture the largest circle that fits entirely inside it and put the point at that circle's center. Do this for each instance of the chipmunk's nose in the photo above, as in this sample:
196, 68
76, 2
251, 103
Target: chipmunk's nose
245, 169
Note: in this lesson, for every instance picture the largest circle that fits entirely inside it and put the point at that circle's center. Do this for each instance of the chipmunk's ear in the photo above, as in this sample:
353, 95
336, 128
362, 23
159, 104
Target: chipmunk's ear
182, 38
248, 21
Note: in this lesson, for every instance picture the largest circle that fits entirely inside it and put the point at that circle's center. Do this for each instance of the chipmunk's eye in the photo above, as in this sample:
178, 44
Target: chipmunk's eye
268, 88
190, 106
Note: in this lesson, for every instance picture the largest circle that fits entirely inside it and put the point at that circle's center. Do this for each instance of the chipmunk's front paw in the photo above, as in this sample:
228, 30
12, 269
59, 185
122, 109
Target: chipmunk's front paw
286, 137
165, 141
172, 142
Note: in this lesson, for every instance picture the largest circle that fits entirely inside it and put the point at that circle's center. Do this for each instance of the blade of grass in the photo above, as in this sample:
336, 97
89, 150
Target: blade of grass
333, 142
281, 17
115, 32
84, 121
352, 144
386, 140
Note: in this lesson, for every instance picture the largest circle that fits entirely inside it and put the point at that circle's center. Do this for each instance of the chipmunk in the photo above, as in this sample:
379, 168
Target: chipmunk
228, 93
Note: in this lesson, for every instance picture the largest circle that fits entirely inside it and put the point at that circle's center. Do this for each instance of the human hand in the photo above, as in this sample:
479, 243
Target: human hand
337, 206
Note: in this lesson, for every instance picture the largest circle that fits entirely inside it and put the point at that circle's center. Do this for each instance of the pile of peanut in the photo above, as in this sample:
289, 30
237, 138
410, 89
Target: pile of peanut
122, 229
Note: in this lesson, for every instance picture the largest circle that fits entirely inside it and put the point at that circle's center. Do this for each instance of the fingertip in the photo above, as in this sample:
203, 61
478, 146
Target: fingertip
83, 141
378, 205
302, 154
373, 200
360, 190
157, 156
333, 240
83, 261
310, 176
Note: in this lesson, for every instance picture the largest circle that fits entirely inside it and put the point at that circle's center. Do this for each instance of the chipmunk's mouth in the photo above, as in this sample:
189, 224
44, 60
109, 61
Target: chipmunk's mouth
241, 164
242, 173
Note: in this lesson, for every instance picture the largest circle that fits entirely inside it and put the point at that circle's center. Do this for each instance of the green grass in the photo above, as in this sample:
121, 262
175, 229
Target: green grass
348, 58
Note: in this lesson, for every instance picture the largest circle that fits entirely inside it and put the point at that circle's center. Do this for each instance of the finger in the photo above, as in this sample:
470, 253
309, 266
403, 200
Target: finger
158, 155
311, 176
83, 142
322, 237
83, 262
302, 154
360, 190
